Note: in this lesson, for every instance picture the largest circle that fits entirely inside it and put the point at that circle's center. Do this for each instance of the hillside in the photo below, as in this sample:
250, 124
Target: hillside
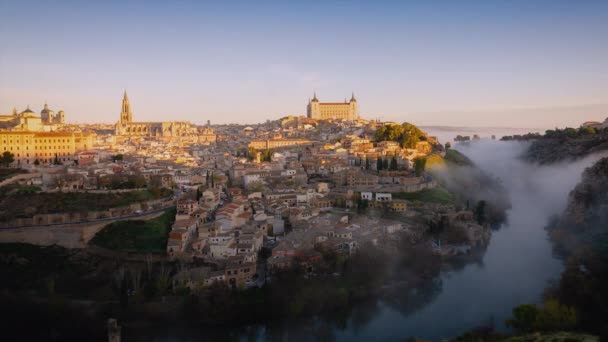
580, 235
558, 145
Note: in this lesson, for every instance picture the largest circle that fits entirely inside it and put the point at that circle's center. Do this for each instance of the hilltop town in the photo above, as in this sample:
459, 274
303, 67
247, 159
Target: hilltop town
208, 206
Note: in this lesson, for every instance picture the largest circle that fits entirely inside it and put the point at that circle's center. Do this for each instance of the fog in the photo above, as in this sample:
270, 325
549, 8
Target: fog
544, 187
518, 264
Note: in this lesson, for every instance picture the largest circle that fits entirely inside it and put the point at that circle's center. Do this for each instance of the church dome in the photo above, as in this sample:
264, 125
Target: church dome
27, 111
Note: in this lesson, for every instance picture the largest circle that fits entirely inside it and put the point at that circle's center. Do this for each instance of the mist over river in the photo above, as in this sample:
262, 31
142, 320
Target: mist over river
516, 267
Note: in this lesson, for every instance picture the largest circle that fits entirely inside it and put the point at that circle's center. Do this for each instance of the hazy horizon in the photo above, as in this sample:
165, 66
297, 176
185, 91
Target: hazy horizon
438, 63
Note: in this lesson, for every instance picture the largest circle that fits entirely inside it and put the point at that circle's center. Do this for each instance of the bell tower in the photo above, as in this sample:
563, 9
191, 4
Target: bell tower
125, 114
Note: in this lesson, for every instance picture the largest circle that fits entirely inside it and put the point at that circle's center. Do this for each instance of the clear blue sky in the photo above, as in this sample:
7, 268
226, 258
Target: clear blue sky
470, 63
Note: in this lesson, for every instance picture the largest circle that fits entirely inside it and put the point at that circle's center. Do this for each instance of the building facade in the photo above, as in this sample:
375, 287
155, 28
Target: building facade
44, 147
267, 144
332, 110
127, 127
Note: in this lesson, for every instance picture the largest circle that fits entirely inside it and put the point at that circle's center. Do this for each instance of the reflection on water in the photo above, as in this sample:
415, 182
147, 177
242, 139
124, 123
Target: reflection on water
516, 267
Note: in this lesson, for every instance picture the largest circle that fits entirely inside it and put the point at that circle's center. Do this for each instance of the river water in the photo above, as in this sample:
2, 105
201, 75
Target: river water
517, 266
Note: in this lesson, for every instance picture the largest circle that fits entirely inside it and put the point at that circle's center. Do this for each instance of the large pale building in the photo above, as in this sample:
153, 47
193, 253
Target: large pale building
126, 125
44, 147
332, 110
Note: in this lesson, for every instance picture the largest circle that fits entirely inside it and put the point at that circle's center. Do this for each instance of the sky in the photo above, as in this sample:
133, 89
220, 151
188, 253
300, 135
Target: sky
526, 63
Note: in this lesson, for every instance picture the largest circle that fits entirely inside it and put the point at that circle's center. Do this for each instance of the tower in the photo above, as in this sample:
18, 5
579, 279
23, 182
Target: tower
125, 114
60, 117
313, 110
47, 115
353, 110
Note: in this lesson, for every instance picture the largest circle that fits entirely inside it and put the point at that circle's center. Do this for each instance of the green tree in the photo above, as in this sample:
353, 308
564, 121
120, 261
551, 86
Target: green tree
36, 162
379, 164
524, 318
554, 316
366, 163
419, 165
448, 145
570, 132
394, 163
117, 157
7, 159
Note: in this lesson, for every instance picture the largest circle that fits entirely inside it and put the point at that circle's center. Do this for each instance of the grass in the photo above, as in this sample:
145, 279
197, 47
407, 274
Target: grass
457, 158
435, 195
26, 204
137, 235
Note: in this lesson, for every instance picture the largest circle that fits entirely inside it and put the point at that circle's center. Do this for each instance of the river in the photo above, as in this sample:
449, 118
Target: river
517, 266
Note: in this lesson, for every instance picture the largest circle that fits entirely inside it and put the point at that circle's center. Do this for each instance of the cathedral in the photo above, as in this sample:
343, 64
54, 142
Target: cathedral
332, 110
127, 127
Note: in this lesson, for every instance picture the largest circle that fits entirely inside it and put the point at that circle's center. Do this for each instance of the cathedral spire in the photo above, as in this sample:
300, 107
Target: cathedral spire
125, 114
352, 98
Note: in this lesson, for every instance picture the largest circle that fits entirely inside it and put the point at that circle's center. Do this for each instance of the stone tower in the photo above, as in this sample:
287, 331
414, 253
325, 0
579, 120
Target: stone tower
314, 111
125, 114
47, 115
60, 117
354, 110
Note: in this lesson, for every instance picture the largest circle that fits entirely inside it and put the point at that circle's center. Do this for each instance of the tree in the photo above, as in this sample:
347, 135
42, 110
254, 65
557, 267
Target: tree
7, 159
379, 164
36, 162
385, 163
480, 212
448, 145
117, 157
570, 132
394, 163
524, 318
419, 165
366, 163
56, 161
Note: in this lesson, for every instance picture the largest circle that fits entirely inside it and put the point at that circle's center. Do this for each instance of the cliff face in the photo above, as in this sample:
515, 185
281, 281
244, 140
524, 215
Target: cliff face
551, 150
588, 202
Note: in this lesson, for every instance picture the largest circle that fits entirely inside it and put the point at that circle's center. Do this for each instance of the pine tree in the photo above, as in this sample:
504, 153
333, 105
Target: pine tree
379, 164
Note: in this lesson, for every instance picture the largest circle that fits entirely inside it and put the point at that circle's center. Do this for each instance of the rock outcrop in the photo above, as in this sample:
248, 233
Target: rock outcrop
588, 202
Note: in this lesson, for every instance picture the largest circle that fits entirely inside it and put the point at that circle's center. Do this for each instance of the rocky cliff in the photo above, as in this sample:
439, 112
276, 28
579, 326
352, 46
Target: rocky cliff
588, 202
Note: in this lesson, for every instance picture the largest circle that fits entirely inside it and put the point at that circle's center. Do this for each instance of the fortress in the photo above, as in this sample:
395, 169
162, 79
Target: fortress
332, 110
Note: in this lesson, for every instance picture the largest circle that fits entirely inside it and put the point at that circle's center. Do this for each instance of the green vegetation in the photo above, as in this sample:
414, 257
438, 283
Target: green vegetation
406, 134
435, 161
456, 158
551, 316
435, 195
117, 157
419, 166
7, 158
26, 204
137, 235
